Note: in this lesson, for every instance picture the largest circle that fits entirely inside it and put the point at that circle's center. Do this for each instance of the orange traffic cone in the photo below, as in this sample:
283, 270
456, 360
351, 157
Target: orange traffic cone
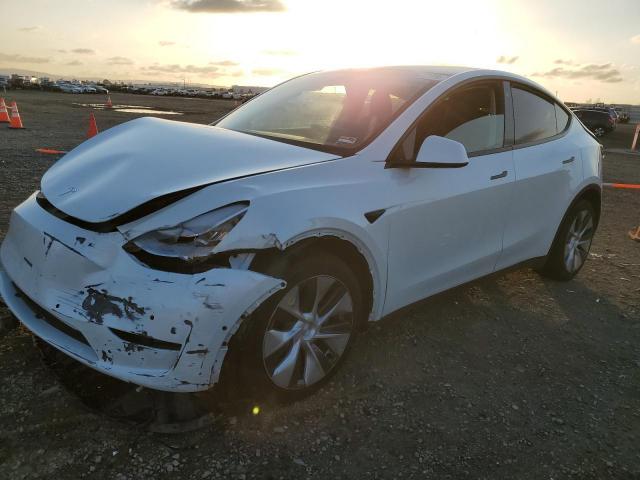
4, 114
93, 128
14, 121
108, 104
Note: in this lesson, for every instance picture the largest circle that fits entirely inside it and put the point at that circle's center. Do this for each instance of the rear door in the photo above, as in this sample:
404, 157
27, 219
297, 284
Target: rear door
547, 169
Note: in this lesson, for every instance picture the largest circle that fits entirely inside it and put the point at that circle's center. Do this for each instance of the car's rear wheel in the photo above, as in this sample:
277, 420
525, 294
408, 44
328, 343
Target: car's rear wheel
571, 247
598, 131
296, 340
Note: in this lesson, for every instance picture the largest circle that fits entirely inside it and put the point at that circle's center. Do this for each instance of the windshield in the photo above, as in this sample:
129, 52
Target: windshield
331, 111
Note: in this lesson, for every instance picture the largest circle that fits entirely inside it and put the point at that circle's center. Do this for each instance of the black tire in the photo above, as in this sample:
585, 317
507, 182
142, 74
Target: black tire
556, 265
246, 368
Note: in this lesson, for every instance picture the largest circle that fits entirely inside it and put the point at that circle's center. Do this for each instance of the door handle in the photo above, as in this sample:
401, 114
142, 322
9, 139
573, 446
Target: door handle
500, 175
568, 160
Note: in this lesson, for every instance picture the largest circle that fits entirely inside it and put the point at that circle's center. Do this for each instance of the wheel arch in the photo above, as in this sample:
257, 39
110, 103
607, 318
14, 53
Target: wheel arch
593, 194
335, 243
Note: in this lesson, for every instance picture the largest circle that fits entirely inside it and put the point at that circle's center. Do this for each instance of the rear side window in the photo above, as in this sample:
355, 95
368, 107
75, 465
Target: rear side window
562, 119
535, 117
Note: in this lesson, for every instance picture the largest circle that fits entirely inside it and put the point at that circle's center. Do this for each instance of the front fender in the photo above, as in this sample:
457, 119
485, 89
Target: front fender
284, 235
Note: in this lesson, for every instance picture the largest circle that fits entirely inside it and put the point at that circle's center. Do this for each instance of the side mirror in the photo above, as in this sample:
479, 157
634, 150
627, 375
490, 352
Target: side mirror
440, 152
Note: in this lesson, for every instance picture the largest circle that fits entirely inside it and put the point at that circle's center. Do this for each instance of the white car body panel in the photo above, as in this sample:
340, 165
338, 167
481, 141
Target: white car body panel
98, 180
469, 210
440, 228
543, 181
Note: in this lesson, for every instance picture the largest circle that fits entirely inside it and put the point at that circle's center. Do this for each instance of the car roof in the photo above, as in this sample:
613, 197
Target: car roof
431, 72
440, 73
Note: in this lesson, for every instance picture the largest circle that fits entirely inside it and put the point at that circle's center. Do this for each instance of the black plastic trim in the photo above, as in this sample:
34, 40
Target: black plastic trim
426, 165
47, 317
145, 340
374, 215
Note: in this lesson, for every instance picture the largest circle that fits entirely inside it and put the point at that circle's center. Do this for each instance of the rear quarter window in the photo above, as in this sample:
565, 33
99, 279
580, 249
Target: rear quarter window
562, 119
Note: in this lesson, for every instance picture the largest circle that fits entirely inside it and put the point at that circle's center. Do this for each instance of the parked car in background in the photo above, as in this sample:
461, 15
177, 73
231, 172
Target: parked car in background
329, 201
611, 111
614, 115
598, 122
70, 88
623, 115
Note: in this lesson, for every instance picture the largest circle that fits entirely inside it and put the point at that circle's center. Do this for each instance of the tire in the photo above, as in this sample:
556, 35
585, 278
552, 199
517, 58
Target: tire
570, 249
296, 340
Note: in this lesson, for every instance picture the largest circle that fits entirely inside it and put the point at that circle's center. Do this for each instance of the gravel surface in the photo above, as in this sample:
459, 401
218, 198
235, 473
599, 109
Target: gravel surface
512, 376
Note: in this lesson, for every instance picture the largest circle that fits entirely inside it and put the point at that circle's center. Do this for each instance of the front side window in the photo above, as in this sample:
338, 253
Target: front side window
534, 116
333, 111
472, 115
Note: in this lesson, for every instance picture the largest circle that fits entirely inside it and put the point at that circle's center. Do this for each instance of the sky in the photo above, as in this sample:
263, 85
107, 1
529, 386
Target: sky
581, 49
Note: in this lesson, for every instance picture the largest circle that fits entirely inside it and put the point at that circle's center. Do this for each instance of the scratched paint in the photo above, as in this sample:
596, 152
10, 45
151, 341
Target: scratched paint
97, 304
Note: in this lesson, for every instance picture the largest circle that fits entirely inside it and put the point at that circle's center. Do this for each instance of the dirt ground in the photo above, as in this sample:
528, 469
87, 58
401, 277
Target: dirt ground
513, 376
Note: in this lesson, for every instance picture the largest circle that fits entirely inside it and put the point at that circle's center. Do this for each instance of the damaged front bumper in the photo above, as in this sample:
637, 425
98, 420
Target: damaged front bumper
81, 292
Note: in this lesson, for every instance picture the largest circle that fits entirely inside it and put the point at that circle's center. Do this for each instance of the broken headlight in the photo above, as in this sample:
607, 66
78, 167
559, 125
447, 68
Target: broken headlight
191, 240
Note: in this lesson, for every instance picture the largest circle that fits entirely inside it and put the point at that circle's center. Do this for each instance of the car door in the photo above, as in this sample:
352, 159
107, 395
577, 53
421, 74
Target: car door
446, 227
547, 171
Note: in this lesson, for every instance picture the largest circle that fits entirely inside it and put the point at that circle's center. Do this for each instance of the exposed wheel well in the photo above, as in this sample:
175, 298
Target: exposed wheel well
343, 249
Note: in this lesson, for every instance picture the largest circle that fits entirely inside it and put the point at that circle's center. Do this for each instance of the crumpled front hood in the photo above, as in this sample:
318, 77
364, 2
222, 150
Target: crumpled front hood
145, 158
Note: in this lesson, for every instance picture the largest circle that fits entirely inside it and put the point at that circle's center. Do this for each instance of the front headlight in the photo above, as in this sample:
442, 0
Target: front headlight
194, 239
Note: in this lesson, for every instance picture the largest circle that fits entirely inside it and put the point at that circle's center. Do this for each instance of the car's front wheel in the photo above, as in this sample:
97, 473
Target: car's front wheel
571, 247
296, 340
599, 131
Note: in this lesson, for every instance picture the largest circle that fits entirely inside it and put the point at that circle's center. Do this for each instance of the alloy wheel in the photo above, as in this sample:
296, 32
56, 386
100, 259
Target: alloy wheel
308, 332
578, 241
599, 131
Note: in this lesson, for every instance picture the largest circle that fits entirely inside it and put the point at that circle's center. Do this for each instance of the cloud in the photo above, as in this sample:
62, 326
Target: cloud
61, 51
84, 51
16, 58
283, 52
604, 72
209, 69
229, 6
32, 28
560, 61
166, 43
507, 60
267, 72
225, 63
119, 61
635, 39
74, 63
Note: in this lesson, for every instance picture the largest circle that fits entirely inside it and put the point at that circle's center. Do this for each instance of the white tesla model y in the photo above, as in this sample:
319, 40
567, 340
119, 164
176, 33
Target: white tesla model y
159, 252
